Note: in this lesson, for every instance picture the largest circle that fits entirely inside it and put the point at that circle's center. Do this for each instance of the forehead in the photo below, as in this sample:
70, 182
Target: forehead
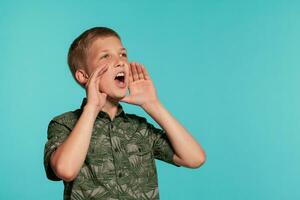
105, 43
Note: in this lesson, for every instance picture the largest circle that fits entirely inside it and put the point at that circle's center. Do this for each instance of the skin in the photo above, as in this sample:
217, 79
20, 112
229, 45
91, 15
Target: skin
106, 56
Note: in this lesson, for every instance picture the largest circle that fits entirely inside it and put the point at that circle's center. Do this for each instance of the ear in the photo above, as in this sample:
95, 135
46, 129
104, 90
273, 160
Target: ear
81, 76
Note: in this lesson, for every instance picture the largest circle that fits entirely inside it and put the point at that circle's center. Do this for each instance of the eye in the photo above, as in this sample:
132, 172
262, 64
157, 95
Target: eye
124, 55
104, 56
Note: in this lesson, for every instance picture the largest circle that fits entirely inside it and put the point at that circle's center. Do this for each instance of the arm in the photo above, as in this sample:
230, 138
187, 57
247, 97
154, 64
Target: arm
68, 158
142, 92
187, 151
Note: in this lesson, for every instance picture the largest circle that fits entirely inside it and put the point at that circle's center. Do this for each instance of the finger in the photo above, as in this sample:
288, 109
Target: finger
101, 71
134, 72
131, 70
130, 75
97, 79
145, 73
97, 84
140, 72
97, 72
104, 95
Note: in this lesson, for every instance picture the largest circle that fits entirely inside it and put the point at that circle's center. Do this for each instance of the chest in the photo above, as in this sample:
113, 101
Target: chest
120, 142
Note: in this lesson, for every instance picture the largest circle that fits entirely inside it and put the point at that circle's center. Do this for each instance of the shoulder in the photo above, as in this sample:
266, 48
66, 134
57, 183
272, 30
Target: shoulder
68, 118
140, 122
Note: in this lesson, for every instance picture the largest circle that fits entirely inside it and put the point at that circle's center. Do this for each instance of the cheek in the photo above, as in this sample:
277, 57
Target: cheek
104, 83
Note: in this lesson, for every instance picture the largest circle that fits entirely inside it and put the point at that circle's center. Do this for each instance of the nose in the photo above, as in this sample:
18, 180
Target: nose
120, 63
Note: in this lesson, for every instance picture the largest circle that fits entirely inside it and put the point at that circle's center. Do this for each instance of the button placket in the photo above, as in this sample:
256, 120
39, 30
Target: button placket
117, 172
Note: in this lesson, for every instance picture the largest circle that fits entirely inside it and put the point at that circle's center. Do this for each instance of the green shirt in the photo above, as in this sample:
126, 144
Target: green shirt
120, 161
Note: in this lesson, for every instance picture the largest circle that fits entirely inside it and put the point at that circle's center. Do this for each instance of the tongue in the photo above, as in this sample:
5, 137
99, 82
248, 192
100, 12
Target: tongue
120, 84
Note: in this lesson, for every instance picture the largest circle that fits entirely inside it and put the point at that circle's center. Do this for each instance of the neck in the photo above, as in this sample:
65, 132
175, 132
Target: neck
110, 107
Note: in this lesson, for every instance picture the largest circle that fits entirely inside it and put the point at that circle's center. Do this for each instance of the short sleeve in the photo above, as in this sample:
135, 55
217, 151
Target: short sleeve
56, 134
161, 145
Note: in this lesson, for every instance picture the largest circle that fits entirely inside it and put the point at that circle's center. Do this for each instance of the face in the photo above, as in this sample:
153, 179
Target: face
109, 51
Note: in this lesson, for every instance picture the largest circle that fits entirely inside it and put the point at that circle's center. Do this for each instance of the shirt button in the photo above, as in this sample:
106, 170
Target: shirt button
120, 174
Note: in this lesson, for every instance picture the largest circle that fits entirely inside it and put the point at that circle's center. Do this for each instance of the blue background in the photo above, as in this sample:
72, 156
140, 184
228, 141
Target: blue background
227, 70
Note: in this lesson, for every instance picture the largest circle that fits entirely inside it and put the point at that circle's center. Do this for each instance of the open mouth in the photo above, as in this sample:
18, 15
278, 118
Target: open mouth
120, 79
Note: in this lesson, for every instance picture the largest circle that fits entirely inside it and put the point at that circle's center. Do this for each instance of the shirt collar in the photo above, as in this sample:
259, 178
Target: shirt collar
102, 114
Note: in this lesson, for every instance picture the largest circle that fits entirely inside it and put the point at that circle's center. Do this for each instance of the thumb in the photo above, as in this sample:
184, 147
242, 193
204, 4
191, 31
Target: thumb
127, 99
104, 95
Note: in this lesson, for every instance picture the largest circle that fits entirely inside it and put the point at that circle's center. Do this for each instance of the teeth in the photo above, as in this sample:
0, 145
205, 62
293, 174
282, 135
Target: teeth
120, 74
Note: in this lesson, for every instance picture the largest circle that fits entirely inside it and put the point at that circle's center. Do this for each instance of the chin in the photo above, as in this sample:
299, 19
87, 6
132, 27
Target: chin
115, 93
116, 97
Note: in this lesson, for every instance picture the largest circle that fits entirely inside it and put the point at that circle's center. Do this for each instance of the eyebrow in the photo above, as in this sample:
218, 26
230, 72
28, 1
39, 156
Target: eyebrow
122, 49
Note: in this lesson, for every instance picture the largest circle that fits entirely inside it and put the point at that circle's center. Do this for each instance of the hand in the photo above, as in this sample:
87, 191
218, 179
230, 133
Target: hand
141, 88
94, 96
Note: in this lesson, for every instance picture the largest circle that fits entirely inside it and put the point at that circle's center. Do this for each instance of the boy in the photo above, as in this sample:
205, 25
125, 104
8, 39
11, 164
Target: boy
101, 152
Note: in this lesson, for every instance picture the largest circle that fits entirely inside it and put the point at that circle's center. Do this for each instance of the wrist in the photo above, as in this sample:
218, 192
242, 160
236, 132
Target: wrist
151, 105
91, 109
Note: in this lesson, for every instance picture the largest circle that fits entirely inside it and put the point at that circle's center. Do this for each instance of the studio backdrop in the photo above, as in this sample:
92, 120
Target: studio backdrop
227, 70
